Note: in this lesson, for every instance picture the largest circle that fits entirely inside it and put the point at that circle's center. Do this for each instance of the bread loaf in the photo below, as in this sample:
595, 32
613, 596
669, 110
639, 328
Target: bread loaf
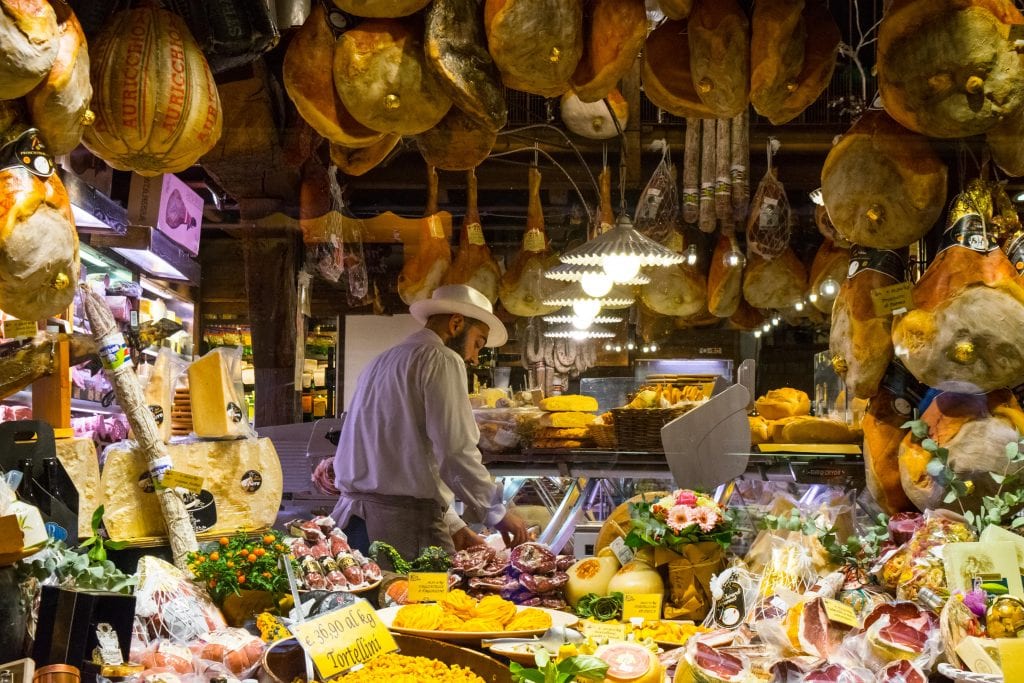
786, 402
569, 402
566, 420
807, 429
760, 430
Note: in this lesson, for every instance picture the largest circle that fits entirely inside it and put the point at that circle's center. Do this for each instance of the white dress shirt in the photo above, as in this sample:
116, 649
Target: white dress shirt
409, 431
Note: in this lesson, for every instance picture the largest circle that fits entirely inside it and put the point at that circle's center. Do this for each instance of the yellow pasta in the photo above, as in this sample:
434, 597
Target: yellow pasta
419, 617
478, 624
396, 668
458, 603
495, 607
529, 619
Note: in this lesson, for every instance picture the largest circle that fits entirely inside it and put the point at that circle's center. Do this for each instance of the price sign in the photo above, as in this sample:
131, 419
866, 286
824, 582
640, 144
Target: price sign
893, 299
19, 328
841, 613
339, 640
645, 605
427, 586
173, 479
597, 630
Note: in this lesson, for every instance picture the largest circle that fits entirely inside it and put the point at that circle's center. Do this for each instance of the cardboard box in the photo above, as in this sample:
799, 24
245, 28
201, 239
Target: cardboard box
169, 205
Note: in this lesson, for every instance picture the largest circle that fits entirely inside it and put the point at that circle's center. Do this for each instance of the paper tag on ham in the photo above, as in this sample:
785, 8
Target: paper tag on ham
841, 613
534, 240
896, 298
436, 228
475, 234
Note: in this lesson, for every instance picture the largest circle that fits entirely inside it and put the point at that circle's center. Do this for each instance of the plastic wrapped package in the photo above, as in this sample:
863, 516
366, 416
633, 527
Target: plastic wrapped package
158, 389
172, 607
918, 563
218, 396
235, 648
167, 655
503, 430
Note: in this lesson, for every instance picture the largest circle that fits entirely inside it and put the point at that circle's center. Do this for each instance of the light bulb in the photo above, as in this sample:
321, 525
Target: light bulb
618, 348
734, 258
799, 305
654, 348
586, 308
608, 347
767, 327
812, 297
775, 321
622, 267
646, 349
691, 255
597, 283
757, 334
578, 335
581, 323
630, 346
829, 288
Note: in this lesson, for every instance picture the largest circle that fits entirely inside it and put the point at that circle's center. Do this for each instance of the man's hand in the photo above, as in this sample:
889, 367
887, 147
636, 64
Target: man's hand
513, 529
467, 538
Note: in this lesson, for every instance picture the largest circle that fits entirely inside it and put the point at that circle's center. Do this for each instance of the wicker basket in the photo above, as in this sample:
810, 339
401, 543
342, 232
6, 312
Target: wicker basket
640, 429
604, 436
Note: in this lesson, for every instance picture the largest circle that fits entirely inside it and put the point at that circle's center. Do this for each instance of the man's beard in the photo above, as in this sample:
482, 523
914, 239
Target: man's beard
458, 342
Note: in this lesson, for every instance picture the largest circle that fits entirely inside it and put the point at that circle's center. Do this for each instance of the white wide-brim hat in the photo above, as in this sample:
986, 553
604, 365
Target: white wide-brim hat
466, 301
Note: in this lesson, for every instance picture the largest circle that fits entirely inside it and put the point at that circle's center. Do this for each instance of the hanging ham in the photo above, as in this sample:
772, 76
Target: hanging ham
59, 106
425, 268
778, 283
535, 43
719, 33
884, 187
614, 33
665, 70
830, 263
360, 160
725, 280
860, 340
523, 286
28, 45
680, 291
38, 243
948, 68
458, 143
883, 432
964, 331
474, 265
311, 87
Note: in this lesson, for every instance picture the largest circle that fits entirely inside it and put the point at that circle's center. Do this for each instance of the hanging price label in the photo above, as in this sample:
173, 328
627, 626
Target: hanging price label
596, 630
896, 298
339, 640
645, 605
19, 328
427, 586
173, 479
841, 613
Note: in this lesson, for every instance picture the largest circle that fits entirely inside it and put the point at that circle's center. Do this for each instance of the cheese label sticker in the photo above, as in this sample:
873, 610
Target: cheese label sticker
622, 552
113, 352
841, 613
596, 630
174, 479
534, 240
896, 298
475, 234
344, 638
427, 586
19, 328
644, 605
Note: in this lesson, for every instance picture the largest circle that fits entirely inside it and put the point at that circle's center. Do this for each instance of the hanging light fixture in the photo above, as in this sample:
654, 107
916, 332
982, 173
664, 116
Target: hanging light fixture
573, 295
565, 272
568, 332
622, 251
581, 323
566, 317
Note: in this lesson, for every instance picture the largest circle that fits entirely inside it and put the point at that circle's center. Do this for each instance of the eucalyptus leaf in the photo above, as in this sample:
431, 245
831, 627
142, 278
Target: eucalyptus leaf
929, 445
1017, 523
1012, 450
950, 497
935, 467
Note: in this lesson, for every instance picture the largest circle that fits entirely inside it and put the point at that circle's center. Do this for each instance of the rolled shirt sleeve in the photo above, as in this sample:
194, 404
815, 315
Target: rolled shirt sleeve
454, 435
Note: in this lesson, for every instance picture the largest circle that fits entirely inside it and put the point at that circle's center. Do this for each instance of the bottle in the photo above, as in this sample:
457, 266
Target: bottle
26, 491
51, 482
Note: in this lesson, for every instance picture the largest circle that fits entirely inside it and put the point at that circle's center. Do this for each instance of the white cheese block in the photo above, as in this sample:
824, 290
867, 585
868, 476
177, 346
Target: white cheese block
217, 411
30, 521
241, 488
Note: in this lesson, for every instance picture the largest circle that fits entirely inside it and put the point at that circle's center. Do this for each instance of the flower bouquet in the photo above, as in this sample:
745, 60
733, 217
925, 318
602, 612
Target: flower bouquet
689, 533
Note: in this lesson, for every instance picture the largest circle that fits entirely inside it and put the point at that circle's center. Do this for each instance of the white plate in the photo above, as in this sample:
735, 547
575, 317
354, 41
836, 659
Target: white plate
387, 615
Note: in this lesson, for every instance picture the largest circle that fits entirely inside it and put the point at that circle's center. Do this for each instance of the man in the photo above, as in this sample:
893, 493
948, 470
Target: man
409, 437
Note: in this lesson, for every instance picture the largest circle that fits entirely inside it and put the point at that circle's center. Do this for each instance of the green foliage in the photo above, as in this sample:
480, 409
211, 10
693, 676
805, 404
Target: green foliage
75, 570
586, 667
1008, 500
242, 562
432, 559
602, 608
648, 530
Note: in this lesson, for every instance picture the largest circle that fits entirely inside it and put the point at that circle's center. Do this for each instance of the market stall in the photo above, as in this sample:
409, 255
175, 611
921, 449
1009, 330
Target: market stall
748, 372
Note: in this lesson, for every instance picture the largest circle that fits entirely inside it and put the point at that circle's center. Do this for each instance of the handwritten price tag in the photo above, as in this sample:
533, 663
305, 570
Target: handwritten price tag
339, 640
841, 613
645, 605
427, 586
173, 479
896, 298
599, 631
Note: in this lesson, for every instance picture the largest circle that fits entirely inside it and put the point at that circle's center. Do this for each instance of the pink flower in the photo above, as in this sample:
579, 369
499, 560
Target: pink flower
686, 497
706, 518
679, 518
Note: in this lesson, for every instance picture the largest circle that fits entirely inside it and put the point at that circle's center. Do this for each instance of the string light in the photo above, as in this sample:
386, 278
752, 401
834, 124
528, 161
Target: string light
767, 327
654, 348
812, 297
799, 305
630, 346
691, 255
757, 334
829, 288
